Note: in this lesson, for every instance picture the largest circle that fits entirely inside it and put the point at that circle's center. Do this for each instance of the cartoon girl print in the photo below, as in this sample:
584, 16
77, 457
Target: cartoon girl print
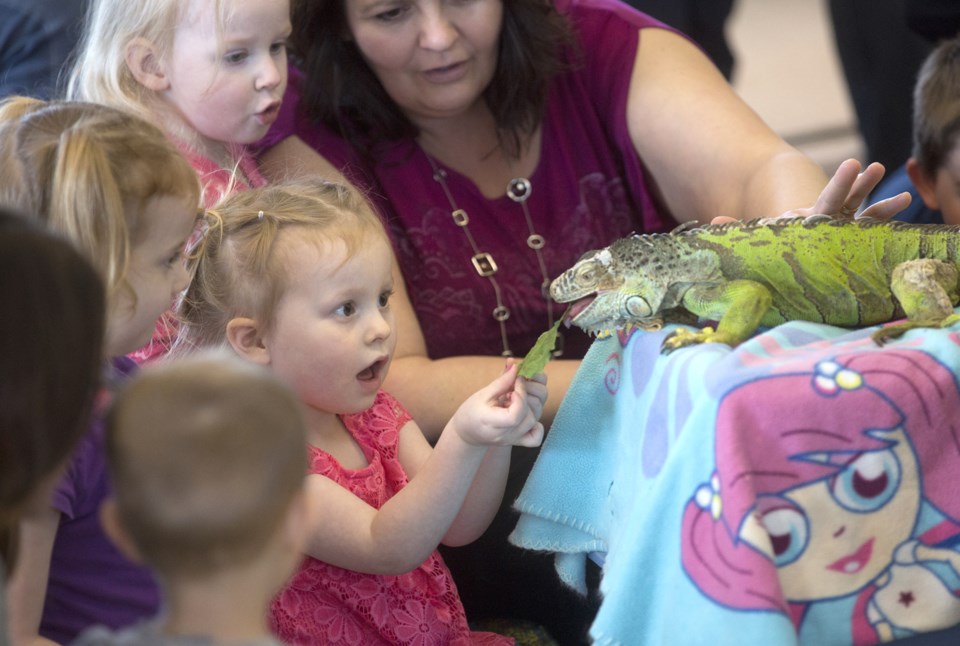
841, 485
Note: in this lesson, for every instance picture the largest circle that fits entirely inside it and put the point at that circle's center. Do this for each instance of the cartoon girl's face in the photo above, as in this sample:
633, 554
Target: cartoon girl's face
831, 537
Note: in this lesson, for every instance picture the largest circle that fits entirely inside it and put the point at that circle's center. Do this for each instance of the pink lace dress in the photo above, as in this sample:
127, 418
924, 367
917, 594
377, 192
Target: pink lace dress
325, 604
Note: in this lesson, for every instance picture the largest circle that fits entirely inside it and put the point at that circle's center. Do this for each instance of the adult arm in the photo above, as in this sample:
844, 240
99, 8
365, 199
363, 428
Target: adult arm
291, 158
27, 587
710, 155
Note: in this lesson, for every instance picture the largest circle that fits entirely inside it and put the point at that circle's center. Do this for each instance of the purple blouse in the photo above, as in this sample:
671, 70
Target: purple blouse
588, 190
91, 582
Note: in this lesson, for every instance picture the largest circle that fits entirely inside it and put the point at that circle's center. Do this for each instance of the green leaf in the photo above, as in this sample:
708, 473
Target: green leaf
540, 353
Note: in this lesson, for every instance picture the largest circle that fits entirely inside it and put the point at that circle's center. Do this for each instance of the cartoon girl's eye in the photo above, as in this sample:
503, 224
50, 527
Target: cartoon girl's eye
868, 482
789, 533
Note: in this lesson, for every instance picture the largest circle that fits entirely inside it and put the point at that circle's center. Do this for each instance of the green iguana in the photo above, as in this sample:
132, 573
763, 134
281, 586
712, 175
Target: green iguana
843, 272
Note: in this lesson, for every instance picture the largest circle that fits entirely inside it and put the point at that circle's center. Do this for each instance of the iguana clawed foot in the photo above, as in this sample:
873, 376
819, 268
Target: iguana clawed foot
927, 290
896, 330
683, 337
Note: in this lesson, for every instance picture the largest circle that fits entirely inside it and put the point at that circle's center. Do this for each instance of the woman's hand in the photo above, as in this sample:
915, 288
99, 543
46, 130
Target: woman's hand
846, 191
844, 194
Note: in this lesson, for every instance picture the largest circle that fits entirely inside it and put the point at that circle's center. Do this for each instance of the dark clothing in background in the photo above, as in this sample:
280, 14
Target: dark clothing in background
880, 56
36, 38
703, 20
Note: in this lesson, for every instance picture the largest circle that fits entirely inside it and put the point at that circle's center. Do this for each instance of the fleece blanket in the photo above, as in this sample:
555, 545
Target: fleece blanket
803, 488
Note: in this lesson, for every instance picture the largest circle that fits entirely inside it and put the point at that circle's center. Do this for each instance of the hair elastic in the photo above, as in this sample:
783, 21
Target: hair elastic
260, 216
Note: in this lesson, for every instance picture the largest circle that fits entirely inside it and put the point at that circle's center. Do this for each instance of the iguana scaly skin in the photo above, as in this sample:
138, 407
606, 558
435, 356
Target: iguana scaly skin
843, 272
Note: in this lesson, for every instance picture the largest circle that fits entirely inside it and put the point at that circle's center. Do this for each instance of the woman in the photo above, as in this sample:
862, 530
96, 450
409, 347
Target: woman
503, 139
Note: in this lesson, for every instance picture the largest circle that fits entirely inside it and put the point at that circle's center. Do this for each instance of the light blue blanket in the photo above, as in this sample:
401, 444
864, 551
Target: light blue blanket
803, 488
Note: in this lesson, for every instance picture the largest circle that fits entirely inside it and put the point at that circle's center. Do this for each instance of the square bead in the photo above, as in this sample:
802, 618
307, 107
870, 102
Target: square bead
484, 264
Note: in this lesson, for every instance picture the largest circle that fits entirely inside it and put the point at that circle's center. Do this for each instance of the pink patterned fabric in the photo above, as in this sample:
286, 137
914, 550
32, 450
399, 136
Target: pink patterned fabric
216, 182
325, 604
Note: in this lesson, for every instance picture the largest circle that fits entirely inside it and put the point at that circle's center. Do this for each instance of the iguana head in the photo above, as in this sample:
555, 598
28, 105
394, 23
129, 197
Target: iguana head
624, 284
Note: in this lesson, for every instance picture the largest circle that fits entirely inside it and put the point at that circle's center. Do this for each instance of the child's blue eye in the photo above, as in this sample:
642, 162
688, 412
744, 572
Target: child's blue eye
278, 48
235, 57
347, 309
384, 299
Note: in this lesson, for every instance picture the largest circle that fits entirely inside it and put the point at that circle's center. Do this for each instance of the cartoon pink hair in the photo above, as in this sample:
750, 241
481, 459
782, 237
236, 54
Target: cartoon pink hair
772, 434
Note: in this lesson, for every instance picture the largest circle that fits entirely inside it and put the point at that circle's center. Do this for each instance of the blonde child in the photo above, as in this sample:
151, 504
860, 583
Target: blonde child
211, 73
118, 189
298, 278
207, 456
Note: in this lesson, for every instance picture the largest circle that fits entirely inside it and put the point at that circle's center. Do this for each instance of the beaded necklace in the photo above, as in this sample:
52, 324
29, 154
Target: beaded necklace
518, 190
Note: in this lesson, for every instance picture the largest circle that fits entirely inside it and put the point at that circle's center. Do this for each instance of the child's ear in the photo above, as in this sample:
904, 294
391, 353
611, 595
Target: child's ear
926, 185
246, 339
113, 528
143, 61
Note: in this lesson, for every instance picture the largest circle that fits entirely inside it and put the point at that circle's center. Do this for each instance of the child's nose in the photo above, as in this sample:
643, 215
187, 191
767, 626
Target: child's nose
379, 328
269, 75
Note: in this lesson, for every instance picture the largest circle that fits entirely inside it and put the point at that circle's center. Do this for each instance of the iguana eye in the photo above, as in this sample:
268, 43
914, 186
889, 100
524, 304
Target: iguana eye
636, 307
587, 274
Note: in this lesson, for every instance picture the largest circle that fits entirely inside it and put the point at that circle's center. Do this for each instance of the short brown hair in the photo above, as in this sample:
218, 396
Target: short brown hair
207, 454
936, 107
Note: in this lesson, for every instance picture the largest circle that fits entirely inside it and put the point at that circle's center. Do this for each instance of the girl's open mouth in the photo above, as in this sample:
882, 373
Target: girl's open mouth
372, 372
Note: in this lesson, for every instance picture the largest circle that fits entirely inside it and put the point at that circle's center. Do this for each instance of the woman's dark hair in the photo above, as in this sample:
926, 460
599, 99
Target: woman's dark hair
51, 337
341, 91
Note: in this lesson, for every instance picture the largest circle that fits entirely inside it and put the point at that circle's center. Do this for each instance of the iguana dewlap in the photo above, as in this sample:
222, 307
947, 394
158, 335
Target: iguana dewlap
843, 272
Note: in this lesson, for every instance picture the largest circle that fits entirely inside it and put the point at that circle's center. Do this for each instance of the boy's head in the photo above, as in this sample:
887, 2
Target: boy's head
208, 458
934, 166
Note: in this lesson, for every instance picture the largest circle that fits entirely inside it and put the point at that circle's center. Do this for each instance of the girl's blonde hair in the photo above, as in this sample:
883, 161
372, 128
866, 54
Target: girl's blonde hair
100, 73
240, 269
88, 171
